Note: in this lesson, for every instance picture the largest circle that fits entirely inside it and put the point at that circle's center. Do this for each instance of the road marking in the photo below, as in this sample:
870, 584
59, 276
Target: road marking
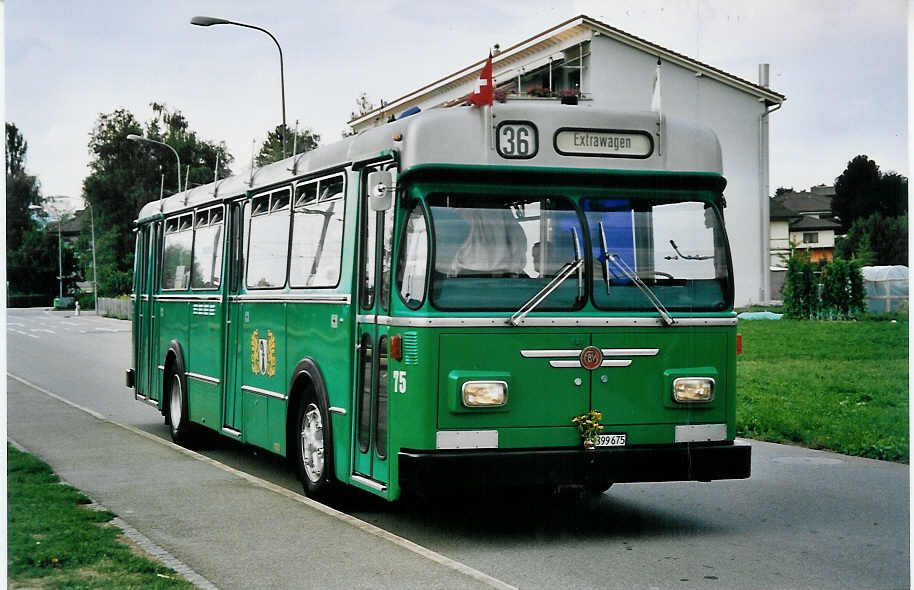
342, 516
24, 333
15, 324
42, 330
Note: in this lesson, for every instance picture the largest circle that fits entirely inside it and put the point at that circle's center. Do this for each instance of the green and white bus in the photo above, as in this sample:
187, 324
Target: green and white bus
432, 302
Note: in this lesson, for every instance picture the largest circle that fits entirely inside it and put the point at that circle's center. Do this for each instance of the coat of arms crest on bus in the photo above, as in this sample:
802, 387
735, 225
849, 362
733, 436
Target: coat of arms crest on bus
263, 354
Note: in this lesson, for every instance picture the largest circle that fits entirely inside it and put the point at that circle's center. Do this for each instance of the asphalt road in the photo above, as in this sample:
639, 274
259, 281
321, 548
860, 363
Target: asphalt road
806, 519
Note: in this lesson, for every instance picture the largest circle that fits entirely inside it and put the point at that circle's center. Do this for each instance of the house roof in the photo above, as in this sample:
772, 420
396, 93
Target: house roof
777, 210
554, 36
804, 202
809, 222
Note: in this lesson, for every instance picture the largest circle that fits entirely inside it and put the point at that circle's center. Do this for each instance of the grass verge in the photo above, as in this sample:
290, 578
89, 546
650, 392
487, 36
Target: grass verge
55, 541
841, 386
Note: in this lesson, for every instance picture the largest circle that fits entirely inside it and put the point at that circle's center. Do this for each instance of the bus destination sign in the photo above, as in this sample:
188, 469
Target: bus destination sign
598, 142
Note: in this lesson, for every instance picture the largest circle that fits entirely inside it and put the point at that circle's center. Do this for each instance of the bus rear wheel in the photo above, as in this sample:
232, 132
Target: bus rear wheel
176, 416
314, 449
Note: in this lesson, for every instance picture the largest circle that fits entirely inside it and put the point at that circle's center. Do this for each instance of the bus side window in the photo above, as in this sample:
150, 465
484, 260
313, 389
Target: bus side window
317, 233
368, 230
269, 240
177, 256
207, 257
413, 260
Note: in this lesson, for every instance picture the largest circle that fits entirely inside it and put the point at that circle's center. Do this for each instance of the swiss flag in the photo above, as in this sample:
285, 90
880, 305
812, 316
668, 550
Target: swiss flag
483, 93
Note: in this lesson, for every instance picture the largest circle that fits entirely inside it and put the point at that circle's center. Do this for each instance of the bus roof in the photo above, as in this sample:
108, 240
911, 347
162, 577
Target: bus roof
458, 135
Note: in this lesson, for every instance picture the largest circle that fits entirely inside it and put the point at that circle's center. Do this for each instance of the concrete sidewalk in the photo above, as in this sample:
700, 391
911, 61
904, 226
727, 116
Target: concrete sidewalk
234, 530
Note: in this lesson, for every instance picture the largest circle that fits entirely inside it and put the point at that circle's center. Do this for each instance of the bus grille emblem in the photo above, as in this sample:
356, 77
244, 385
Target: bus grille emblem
591, 358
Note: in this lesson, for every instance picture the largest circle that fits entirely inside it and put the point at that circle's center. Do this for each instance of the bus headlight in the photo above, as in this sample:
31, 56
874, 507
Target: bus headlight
484, 394
693, 389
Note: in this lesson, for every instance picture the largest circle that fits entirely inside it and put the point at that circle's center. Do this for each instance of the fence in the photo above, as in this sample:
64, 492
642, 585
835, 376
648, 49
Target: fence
120, 308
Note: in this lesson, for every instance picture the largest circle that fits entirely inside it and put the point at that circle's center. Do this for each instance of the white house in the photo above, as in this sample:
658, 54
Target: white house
611, 68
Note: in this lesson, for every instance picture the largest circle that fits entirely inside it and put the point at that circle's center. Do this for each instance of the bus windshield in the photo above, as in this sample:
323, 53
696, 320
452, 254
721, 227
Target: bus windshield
495, 252
677, 249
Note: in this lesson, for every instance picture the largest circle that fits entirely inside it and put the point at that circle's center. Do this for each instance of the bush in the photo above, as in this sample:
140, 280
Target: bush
826, 291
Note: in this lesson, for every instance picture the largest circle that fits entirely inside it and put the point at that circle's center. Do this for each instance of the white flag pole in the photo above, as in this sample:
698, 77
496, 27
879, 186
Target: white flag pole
656, 106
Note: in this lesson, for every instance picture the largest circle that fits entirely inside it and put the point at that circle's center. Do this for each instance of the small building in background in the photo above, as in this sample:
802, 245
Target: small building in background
603, 66
802, 220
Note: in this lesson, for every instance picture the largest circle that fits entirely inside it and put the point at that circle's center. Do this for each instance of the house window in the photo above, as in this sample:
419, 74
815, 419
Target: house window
811, 237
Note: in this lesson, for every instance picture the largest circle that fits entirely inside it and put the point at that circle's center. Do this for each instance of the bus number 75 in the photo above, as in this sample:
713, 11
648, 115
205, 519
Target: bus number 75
399, 381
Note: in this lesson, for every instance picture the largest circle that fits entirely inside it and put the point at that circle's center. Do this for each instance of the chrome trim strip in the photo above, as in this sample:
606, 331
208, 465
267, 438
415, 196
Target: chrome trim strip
203, 378
161, 368
152, 402
139, 396
630, 351
263, 392
133, 297
336, 410
143, 297
187, 298
231, 431
294, 298
543, 321
542, 354
367, 318
375, 485
565, 364
611, 363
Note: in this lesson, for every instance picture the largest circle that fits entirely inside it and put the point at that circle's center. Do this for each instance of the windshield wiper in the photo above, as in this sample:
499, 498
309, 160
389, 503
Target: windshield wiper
564, 273
648, 294
686, 256
606, 271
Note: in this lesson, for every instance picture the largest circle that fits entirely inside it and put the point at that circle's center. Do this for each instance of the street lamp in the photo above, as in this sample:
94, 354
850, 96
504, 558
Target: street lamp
94, 271
59, 248
206, 21
134, 137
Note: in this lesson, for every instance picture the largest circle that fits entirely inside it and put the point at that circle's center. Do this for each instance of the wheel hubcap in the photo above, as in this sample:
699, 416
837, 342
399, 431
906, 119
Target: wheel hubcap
174, 406
312, 443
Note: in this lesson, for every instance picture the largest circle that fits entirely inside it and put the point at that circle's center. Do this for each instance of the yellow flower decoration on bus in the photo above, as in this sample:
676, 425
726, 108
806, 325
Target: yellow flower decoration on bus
263, 354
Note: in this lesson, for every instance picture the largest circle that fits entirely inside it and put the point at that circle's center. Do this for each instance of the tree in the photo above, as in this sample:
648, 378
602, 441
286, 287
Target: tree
297, 142
22, 190
862, 189
876, 239
125, 175
781, 190
856, 189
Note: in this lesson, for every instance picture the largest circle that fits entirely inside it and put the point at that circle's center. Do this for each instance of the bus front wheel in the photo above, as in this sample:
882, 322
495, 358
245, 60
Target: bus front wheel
314, 449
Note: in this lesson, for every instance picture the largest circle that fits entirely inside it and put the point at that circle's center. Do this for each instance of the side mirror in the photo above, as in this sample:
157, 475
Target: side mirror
380, 190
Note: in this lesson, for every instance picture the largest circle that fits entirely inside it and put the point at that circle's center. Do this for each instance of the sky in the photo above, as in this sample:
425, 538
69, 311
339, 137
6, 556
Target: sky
841, 64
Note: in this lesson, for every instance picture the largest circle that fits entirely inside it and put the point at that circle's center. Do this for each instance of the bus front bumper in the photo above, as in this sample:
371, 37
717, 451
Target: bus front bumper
511, 467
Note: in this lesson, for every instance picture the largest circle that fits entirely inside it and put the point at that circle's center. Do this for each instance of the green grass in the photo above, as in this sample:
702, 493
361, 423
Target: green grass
841, 386
55, 541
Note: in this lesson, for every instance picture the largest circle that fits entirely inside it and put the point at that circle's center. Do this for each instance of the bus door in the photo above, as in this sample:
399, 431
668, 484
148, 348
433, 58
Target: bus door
373, 347
231, 394
145, 358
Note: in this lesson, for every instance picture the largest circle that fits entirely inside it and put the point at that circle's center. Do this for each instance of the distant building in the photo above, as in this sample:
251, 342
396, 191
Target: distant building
803, 220
610, 68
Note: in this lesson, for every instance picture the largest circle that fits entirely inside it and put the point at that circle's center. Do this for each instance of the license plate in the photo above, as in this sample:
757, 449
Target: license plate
611, 440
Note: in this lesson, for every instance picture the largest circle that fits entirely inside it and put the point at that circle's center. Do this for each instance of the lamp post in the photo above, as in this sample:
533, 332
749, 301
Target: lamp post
206, 21
59, 249
134, 137
94, 271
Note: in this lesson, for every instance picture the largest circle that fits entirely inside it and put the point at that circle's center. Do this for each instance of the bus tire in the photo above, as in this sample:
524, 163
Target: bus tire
314, 447
176, 415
